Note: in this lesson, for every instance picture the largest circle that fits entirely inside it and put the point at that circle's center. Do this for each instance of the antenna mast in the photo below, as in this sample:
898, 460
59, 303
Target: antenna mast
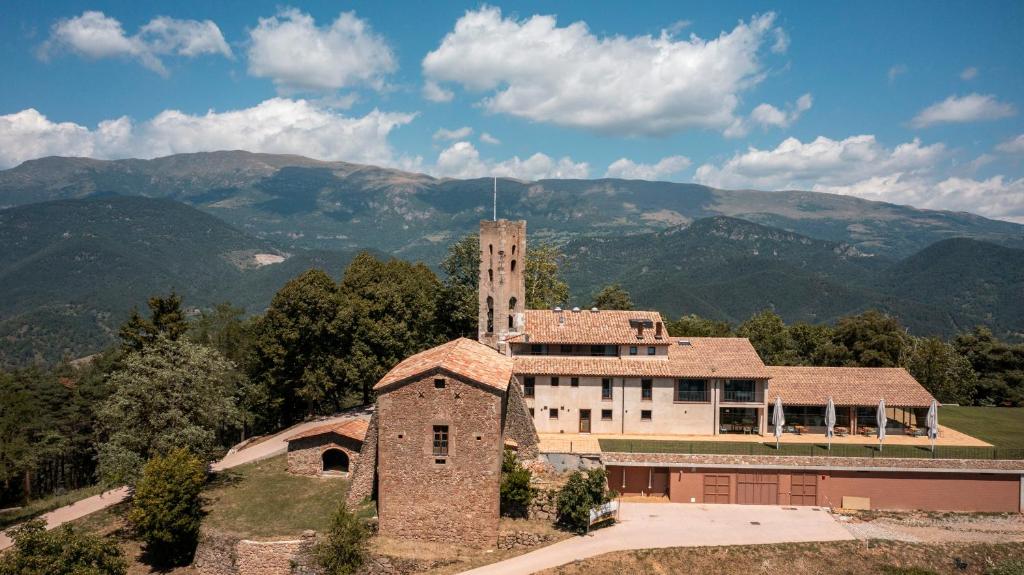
495, 216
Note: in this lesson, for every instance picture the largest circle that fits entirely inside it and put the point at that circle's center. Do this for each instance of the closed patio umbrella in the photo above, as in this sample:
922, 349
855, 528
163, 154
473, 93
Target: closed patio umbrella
778, 419
882, 421
932, 422
830, 421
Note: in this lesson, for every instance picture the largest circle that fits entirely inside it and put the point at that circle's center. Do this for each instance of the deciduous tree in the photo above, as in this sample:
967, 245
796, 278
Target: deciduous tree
613, 296
63, 551
166, 506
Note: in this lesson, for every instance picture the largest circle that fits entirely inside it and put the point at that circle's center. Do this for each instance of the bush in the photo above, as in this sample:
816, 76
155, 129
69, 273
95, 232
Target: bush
344, 549
1011, 567
581, 493
516, 492
167, 508
63, 551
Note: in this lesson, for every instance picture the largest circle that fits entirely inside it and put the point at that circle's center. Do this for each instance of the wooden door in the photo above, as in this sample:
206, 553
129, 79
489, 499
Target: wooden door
716, 488
757, 488
584, 421
804, 489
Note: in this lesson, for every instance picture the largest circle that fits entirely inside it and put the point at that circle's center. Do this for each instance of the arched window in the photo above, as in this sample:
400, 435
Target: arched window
513, 249
490, 314
490, 275
335, 460
513, 265
491, 248
512, 312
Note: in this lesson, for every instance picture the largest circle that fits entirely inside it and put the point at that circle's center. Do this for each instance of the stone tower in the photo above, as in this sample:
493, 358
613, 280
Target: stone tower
502, 281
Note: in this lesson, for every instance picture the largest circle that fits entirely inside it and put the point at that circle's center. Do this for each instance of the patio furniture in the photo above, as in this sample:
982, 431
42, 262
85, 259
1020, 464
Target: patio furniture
800, 429
748, 430
841, 431
789, 429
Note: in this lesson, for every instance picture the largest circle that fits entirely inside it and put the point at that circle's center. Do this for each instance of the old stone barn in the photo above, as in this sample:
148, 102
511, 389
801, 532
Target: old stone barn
434, 447
327, 450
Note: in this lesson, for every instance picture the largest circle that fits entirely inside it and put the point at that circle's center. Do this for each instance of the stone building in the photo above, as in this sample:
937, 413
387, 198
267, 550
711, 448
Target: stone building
434, 446
331, 449
502, 292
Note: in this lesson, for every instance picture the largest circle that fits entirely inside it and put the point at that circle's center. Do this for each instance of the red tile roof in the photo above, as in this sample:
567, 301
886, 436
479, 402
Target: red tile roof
703, 357
353, 428
464, 357
586, 327
847, 386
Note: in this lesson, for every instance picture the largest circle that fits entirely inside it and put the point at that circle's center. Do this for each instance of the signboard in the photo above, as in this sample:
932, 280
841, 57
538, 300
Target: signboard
604, 512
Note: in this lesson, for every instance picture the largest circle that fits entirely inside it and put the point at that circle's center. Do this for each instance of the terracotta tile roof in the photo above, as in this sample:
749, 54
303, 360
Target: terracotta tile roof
587, 328
704, 357
847, 386
353, 428
464, 357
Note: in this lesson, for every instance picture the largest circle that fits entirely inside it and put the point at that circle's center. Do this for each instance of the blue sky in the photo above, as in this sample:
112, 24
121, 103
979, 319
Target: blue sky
909, 102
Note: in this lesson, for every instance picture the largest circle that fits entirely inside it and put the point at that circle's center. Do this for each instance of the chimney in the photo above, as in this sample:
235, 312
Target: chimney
657, 330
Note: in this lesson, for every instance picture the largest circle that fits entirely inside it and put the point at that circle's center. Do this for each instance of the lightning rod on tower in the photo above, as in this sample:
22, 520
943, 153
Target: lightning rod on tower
495, 216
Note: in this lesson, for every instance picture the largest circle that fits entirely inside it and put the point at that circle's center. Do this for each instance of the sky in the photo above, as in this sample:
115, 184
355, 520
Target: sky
911, 102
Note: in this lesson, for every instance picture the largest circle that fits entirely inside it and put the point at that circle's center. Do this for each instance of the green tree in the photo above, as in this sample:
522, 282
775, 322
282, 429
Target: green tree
581, 493
942, 370
516, 492
695, 326
459, 305
167, 508
343, 551
298, 349
999, 365
224, 329
874, 339
63, 551
389, 311
770, 337
613, 296
171, 394
544, 286
166, 320
812, 345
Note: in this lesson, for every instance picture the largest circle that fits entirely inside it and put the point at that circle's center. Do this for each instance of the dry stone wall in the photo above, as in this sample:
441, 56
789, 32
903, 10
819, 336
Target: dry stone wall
219, 554
364, 476
305, 456
518, 423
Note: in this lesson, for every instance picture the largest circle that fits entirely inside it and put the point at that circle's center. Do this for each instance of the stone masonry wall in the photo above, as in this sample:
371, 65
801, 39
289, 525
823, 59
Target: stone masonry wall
423, 496
518, 423
364, 475
305, 456
220, 554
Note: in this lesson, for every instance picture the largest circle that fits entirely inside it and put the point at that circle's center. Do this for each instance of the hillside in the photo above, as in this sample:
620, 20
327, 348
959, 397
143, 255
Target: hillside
72, 269
728, 269
299, 202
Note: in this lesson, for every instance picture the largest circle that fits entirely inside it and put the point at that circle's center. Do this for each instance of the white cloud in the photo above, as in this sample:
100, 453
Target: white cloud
768, 116
969, 73
895, 71
435, 93
296, 54
970, 108
96, 35
1012, 146
277, 125
910, 173
630, 170
489, 139
456, 134
566, 75
462, 160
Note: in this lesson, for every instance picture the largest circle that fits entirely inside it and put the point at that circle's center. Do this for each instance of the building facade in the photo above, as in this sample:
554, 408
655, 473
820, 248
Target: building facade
502, 292
328, 449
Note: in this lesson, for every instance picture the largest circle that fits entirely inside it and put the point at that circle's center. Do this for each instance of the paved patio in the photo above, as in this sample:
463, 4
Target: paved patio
590, 443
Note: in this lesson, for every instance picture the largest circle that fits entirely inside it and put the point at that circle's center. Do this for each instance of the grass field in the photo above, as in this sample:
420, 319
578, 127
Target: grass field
1000, 426
805, 449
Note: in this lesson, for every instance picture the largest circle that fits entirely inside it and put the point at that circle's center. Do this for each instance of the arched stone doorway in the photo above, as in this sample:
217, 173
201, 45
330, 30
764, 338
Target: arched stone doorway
335, 461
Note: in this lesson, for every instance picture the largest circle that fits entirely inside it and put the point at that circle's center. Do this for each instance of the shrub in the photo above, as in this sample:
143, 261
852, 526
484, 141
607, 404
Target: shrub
63, 551
581, 493
167, 508
516, 492
344, 549
1011, 567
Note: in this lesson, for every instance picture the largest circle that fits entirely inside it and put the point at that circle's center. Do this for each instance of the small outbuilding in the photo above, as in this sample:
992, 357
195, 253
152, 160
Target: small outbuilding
331, 449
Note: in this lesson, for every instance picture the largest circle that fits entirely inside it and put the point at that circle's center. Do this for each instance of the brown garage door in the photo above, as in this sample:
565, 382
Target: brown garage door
804, 490
716, 488
757, 488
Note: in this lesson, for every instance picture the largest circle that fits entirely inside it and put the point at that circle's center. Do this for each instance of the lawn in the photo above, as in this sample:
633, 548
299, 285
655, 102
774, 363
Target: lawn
37, 507
805, 449
1000, 426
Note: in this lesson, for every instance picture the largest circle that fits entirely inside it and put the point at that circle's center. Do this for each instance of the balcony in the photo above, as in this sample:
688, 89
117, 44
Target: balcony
741, 396
692, 396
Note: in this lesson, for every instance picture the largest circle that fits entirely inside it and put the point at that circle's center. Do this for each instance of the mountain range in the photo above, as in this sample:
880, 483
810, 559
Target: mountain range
85, 240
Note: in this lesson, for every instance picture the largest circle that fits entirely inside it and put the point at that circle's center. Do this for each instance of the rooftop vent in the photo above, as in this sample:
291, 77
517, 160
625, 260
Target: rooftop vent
557, 309
575, 310
593, 310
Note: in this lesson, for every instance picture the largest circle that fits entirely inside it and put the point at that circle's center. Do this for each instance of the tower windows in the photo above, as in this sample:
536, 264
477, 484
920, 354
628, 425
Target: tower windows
490, 314
511, 312
512, 265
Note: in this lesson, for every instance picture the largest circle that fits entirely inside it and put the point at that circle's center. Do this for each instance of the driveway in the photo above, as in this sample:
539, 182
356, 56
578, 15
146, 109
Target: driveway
654, 525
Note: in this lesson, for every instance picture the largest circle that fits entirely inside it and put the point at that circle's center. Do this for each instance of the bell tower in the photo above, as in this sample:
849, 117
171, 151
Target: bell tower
502, 281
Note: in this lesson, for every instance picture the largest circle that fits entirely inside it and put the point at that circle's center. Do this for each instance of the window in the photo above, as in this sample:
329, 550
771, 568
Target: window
512, 313
490, 314
691, 390
651, 350
645, 415
600, 350
606, 415
740, 390
528, 386
536, 349
440, 440
554, 382
632, 350
553, 413
646, 391
513, 264
531, 412
575, 382
606, 388
565, 349
439, 384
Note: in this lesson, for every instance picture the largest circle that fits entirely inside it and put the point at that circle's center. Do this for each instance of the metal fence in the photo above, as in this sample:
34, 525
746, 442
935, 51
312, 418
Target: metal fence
808, 449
